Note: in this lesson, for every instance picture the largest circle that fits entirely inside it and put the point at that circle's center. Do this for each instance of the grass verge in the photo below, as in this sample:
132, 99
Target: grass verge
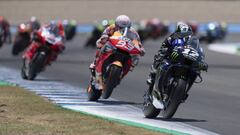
24, 113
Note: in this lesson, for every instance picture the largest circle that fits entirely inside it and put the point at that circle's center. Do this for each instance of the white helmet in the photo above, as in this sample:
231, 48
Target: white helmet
183, 28
123, 21
33, 19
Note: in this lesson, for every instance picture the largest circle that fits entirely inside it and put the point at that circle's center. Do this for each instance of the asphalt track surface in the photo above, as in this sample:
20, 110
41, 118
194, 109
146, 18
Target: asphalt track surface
213, 105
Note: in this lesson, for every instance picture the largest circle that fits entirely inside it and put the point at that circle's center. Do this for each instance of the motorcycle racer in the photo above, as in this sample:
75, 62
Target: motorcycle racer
121, 22
183, 31
35, 24
6, 29
57, 30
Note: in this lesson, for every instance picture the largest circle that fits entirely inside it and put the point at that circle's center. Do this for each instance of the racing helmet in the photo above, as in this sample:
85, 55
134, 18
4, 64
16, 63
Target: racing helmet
123, 21
183, 28
54, 29
105, 23
33, 19
184, 31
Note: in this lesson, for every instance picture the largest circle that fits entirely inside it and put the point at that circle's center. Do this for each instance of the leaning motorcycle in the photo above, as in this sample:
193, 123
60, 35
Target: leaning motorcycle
95, 35
121, 56
173, 81
70, 30
42, 56
22, 38
1, 35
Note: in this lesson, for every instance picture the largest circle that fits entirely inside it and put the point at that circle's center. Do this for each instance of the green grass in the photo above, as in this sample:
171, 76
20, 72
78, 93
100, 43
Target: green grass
24, 113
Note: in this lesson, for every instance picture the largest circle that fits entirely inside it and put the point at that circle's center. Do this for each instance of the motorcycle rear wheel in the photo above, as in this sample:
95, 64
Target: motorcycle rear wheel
20, 44
175, 99
1, 42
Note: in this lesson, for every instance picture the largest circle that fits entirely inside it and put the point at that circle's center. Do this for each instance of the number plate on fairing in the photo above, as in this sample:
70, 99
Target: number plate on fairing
125, 45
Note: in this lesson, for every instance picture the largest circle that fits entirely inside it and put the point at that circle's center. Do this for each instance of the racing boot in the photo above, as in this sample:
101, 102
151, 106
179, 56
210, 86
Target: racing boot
92, 69
92, 66
153, 70
99, 82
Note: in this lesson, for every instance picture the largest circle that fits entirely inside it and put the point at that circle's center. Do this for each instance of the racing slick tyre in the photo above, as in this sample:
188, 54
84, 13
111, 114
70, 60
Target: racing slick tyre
149, 110
23, 70
175, 99
19, 44
36, 65
112, 80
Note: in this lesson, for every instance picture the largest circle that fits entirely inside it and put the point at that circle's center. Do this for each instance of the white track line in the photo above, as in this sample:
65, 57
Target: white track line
228, 48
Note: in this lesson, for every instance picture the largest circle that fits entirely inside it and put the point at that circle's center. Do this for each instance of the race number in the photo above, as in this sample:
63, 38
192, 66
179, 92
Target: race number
121, 43
125, 45
190, 52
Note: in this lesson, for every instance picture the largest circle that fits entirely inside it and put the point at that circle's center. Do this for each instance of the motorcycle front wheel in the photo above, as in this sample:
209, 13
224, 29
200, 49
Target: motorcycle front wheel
37, 64
176, 97
149, 110
112, 80
23, 70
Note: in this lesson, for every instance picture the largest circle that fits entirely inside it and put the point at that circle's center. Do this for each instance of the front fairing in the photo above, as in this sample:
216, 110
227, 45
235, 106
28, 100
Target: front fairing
125, 44
50, 38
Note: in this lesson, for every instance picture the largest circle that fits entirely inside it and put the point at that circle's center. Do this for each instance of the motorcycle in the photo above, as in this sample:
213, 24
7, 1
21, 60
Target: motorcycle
95, 35
1, 36
97, 32
22, 38
194, 26
43, 55
174, 78
214, 32
70, 29
153, 29
121, 56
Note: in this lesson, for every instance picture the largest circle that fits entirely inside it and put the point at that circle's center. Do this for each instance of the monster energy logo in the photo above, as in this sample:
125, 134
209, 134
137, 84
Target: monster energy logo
174, 55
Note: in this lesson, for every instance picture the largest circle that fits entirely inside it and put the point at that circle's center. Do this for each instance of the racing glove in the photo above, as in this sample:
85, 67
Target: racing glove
203, 66
101, 42
142, 51
159, 56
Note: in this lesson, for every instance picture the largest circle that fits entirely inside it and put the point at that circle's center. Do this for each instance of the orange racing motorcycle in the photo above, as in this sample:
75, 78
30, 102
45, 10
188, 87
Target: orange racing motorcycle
120, 56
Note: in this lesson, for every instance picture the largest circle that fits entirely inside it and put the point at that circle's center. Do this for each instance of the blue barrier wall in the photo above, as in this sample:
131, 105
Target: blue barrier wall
232, 28
86, 28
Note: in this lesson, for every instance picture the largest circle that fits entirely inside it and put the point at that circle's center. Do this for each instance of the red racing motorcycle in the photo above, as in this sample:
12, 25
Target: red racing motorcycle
120, 56
42, 53
22, 38
1, 35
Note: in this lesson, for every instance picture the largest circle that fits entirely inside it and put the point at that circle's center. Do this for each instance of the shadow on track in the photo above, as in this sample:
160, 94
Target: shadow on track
111, 102
46, 80
181, 120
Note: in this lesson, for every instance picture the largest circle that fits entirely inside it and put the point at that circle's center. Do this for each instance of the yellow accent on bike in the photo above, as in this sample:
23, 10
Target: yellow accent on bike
117, 34
118, 63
